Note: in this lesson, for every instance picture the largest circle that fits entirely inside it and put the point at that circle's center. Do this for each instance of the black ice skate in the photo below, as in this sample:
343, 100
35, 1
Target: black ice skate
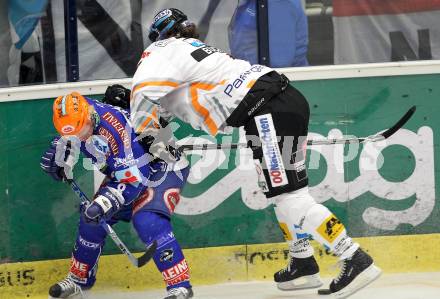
179, 293
65, 288
299, 274
356, 273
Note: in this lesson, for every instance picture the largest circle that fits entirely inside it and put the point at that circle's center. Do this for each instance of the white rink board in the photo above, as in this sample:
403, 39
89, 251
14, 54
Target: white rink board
388, 286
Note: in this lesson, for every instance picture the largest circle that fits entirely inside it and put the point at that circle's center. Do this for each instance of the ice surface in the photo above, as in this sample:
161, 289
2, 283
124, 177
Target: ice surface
388, 286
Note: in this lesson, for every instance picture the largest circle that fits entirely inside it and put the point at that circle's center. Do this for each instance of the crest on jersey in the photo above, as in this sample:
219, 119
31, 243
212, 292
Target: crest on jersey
167, 255
171, 198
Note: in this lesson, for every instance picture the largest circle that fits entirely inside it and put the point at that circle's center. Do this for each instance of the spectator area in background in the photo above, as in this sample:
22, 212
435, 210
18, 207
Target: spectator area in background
112, 33
367, 31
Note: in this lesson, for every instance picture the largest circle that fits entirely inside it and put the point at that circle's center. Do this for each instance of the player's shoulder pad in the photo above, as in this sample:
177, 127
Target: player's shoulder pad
112, 109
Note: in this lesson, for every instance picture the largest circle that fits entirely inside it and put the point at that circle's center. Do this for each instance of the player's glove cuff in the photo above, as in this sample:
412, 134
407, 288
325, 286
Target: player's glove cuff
105, 205
49, 162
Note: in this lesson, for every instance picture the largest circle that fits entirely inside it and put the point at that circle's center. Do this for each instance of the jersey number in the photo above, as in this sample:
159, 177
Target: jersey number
202, 53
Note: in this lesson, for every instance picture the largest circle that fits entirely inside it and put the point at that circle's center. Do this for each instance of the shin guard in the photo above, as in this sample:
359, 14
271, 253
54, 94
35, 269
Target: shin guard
86, 253
169, 258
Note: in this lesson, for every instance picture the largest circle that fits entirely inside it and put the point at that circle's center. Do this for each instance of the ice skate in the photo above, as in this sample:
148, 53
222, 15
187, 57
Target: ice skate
179, 293
64, 289
299, 274
356, 273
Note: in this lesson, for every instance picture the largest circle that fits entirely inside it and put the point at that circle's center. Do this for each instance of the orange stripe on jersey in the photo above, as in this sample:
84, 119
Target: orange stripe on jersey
152, 117
153, 83
209, 122
251, 83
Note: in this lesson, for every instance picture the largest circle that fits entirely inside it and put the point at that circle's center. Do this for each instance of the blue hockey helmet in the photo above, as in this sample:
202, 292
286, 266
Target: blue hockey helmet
164, 21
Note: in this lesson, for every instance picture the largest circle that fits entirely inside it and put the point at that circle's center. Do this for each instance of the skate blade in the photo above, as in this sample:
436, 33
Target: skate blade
73, 296
79, 295
362, 280
305, 282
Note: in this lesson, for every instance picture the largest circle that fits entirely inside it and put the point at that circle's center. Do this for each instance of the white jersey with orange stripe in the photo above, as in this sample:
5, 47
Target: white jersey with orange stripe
185, 78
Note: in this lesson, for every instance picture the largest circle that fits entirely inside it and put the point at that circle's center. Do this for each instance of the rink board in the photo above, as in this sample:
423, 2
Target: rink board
213, 265
398, 201
38, 218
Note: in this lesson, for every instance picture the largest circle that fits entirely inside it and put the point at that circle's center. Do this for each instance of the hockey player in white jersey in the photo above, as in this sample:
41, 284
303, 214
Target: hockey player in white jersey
180, 76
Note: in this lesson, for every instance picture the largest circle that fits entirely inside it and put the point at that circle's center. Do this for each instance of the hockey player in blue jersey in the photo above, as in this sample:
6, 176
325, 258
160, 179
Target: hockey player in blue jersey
134, 189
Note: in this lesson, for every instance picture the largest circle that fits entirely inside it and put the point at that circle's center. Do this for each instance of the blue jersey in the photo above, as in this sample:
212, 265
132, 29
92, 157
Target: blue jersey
114, 151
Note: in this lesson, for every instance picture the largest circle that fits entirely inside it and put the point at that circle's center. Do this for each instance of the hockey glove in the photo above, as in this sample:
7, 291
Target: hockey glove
57, 161
106, 203
165, 152
117, 95
161, 145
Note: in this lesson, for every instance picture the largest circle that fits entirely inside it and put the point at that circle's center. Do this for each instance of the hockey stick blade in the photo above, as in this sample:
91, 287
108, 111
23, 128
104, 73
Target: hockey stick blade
329, 141
372, 138
148, 255
400, 123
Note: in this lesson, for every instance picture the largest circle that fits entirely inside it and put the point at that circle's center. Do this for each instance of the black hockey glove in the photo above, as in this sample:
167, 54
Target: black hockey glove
161, 145
117, 95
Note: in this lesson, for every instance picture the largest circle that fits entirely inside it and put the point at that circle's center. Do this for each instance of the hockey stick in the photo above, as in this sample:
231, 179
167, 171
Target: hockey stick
138, 262
329, 141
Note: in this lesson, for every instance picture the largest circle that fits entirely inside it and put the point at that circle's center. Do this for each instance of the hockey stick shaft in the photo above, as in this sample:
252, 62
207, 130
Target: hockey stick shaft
137, 262
330, 141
